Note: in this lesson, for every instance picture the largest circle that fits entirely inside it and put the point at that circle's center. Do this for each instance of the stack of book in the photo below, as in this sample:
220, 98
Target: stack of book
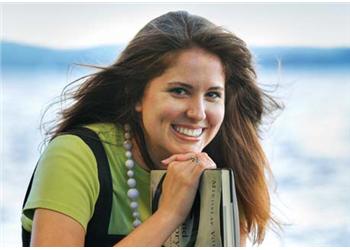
214, 219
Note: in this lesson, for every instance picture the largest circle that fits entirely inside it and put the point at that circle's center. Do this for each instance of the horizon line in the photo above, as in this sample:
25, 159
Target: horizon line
95, 46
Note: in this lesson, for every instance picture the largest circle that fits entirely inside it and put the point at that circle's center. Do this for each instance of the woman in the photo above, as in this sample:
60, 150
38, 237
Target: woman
183, 96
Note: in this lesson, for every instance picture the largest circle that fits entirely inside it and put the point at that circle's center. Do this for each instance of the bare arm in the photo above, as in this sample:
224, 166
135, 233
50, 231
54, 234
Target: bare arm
52, 228
153, 232
179, 189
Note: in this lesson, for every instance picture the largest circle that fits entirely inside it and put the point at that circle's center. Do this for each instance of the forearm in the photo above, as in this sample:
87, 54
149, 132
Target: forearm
151, 233
179, 189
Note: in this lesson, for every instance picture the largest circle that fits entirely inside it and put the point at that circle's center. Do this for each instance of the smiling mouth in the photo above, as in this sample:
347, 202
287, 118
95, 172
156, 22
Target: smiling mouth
188, 132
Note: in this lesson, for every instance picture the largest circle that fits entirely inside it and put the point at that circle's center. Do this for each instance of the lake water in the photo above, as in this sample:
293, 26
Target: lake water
308, 147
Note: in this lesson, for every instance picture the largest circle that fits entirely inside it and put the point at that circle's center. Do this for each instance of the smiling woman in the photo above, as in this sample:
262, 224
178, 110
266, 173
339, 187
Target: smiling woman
182, 109
182, 92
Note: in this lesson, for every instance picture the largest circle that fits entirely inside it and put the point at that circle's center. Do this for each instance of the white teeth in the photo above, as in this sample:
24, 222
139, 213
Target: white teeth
189, 132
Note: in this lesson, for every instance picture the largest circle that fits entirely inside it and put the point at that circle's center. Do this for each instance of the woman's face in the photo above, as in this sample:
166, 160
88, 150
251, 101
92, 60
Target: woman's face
182, 109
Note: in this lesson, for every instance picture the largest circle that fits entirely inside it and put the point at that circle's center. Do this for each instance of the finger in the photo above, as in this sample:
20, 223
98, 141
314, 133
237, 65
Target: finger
211, 163
178, 157
207, 160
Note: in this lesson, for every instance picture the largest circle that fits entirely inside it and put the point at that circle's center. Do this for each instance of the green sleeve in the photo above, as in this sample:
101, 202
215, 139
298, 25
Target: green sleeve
65, 181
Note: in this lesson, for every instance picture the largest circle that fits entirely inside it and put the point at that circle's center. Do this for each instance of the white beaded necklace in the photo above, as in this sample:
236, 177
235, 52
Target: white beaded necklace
132, 193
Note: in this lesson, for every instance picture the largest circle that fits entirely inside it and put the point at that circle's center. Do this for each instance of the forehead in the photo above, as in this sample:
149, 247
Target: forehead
192, 56
195, 65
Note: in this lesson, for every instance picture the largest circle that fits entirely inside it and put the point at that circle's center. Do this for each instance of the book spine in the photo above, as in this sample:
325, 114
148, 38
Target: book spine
236, 224
209, 233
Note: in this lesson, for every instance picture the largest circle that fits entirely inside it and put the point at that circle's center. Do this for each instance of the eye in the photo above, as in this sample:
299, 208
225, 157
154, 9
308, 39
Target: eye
178, 91
214, 95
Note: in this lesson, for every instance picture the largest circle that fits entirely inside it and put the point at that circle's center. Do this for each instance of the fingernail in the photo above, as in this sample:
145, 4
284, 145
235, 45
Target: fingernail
164, 161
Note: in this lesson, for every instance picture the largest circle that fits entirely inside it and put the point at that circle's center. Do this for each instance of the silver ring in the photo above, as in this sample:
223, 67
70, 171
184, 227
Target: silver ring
195, 159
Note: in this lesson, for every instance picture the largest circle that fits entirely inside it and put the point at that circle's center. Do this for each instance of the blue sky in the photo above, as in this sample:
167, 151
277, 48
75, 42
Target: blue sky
73, 25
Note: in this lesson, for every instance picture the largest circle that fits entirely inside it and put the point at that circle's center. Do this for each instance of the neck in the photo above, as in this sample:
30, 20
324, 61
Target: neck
139, 159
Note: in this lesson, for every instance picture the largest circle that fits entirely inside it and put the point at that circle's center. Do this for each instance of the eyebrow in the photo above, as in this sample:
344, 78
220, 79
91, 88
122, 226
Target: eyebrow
189, 86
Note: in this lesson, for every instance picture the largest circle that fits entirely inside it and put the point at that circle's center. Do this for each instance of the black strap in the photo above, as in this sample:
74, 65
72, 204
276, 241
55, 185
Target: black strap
194, 213
157, 194
97, 230
99, 223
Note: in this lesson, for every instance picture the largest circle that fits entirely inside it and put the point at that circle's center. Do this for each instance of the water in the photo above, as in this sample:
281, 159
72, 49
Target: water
308, 147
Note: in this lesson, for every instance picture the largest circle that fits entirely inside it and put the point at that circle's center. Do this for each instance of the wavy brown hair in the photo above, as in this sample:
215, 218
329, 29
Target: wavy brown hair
110, 95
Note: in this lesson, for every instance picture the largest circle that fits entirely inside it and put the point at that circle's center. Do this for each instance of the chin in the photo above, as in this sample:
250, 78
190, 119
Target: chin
184, 150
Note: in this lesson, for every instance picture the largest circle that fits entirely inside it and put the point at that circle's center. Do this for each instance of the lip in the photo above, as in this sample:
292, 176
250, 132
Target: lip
184, 137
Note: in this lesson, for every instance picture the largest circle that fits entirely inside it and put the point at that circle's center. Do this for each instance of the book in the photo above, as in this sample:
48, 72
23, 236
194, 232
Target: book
214, 218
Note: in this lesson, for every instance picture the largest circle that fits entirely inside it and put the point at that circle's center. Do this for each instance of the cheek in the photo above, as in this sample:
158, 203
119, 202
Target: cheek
171, 112
165, 111
216, 116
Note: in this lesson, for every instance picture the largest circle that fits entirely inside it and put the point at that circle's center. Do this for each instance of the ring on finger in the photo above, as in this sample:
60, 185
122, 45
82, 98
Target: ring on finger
195, 159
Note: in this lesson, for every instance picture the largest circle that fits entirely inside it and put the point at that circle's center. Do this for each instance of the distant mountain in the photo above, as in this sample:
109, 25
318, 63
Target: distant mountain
20, 55
302, 56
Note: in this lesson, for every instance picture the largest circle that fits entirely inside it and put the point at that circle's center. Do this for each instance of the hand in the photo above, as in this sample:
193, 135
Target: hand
181, 183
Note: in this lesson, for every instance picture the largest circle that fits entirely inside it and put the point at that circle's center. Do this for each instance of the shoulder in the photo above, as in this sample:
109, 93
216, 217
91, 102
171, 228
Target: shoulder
68, 156
108, 133
65, 180
68, 148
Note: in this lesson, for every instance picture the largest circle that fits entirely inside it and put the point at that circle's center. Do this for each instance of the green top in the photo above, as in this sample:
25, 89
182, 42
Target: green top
66, 181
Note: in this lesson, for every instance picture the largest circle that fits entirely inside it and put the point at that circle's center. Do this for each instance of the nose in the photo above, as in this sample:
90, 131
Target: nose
196, 109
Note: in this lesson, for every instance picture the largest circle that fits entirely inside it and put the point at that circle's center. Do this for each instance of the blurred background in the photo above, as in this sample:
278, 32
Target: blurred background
302, 48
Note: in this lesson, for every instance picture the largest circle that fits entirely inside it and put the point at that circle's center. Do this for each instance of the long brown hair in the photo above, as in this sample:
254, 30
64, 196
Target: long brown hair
111, 94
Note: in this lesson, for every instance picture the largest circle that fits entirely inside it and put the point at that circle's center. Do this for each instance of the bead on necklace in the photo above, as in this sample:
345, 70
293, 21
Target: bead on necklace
132, 193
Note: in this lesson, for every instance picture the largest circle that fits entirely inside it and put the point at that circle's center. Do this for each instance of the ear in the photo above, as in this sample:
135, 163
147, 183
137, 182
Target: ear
138, 107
